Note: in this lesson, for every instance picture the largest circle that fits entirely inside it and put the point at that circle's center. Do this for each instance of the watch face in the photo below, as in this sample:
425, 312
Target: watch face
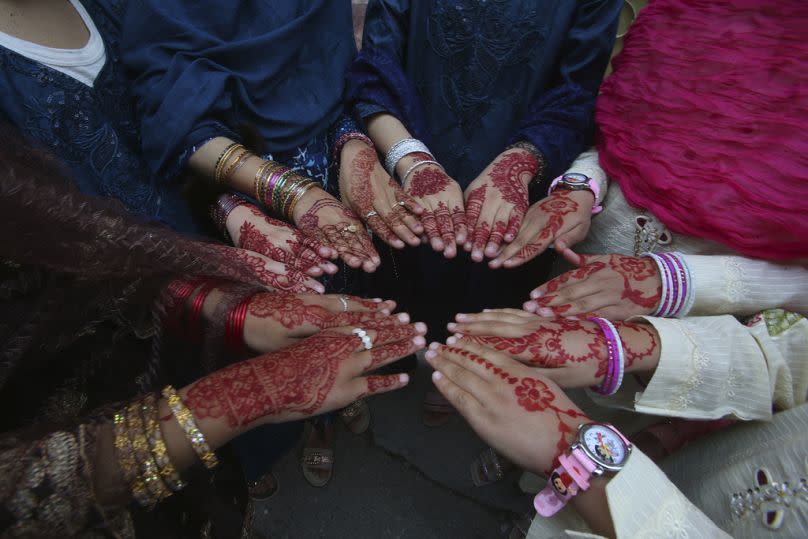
604, 445
574, 178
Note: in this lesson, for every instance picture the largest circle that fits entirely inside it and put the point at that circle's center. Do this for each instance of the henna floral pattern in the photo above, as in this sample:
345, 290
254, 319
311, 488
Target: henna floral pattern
346, 235
533, 395
558, 205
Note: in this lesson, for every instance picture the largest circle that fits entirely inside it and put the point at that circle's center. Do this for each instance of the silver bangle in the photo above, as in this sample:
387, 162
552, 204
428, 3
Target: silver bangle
400, 149
418, 164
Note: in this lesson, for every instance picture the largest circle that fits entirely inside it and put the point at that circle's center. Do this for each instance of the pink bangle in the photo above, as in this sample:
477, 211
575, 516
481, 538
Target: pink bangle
221, 211
343, 140
677, 290
616, 367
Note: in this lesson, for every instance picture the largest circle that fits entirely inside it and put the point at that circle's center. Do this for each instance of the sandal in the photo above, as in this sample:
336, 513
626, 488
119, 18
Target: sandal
314, 459
356, 416
436, 410
489, 468
264, 488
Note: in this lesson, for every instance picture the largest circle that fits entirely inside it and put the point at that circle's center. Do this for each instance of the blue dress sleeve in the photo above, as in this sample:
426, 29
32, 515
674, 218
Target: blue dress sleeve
376, 81
560, 122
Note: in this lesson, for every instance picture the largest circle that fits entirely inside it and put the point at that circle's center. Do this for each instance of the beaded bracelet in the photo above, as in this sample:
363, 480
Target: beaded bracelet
149, 473
343, 140
186, 420
158, 447
534, 150
616, 368
402, 148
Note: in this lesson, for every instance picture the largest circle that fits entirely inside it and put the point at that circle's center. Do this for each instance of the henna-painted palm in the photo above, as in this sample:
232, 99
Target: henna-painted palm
251, 229
571, 352
496, 202
322, 373
270, 273
522, 415
564, 215
323, 218
613, 286
366, 188
275, 320
444, 218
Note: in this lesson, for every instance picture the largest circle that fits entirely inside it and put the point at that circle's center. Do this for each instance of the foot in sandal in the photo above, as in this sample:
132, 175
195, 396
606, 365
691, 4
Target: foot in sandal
317, 458
356, 416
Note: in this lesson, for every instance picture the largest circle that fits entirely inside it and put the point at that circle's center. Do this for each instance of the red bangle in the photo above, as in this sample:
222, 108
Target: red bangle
194, 314
234, 326
175, 296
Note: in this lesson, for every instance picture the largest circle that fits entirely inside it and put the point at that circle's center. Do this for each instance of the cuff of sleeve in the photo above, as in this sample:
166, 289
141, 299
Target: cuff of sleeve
366, 110
195, 140
644, 502
712, 287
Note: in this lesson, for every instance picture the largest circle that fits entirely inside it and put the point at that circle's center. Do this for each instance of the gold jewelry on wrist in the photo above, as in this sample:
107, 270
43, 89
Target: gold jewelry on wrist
224, 158
158, 447
278, 189
126, 460
295, 196
186, 420
240, 157
148, 469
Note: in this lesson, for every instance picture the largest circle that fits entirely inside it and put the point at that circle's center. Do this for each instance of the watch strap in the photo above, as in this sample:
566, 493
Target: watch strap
561, 487
591, 185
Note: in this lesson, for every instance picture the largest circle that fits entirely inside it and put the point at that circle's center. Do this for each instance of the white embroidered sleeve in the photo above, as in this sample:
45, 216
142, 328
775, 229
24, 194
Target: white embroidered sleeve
742, 286
714, 366
644, 503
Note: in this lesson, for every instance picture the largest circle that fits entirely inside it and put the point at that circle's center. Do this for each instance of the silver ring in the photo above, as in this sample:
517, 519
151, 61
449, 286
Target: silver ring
367, 342
400, 203
350, 228
370, 214
344, 301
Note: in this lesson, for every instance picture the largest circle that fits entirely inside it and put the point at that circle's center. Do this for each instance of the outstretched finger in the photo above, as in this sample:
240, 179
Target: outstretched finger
456, 369
460, 227
380, 227
514, 224
375, 384
431, 230
446, 228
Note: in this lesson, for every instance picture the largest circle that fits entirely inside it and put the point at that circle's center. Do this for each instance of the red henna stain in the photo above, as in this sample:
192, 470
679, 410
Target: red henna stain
428, 180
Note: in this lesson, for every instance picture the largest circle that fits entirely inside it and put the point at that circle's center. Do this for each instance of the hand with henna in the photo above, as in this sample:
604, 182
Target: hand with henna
368, 190
275, 320
324, 219
443, 218
571, 352
319, 374
563, 216
616, 287
270, 273
251, 229
497, 200
520, 413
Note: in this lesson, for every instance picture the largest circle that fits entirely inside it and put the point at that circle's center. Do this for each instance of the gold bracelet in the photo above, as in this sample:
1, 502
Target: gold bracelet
148, 469
224, 158
278, 190
186, 420
292, 189
158, 447
301, 191
238, 162
257, 182
126, 460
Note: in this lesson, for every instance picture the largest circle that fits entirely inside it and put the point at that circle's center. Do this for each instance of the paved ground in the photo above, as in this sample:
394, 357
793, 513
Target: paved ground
399, 480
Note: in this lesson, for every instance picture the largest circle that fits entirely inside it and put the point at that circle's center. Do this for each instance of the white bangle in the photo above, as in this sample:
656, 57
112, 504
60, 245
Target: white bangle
418, 164
400, 149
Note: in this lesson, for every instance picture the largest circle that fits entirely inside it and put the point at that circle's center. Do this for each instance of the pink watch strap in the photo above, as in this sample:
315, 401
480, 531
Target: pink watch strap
560, 488
593, 185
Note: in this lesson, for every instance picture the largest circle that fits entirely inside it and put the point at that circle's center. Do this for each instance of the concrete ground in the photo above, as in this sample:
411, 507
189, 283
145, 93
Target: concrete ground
399, 480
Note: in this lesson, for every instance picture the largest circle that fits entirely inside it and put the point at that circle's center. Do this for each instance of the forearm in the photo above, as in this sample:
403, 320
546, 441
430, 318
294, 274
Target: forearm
385, 130
593, 506
203, 162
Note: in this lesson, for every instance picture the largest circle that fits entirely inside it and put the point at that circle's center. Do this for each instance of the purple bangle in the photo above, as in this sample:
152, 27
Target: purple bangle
683, 277
676, 288
222, 209
614, 346
663, 276
352, 135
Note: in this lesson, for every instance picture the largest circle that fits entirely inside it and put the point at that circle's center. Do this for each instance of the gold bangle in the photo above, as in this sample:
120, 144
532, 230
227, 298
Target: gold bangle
238, 162
298, 197
257, 182
158, 447
294, 185
148, 469
126, 460
262, 180
278, 190
224, 158
186, 420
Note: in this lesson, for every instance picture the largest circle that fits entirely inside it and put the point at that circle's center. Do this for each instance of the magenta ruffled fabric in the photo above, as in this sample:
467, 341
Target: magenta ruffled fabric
704, 121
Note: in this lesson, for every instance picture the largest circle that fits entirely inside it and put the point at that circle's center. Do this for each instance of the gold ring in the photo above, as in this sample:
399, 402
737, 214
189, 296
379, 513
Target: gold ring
350, 228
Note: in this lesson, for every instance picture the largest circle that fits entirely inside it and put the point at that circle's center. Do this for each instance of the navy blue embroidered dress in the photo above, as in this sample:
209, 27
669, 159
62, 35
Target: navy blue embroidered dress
91, 129
468, 77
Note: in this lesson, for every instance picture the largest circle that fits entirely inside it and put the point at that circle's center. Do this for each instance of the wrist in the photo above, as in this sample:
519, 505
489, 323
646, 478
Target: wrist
308, 200
585, 198
404, 167
234, 220
528, 164
642, 345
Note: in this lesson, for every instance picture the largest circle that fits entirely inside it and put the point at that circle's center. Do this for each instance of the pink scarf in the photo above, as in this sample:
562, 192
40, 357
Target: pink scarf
704, 122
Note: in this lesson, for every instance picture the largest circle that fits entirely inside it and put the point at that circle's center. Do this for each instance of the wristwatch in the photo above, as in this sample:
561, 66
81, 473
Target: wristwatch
599, 448
575, 181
